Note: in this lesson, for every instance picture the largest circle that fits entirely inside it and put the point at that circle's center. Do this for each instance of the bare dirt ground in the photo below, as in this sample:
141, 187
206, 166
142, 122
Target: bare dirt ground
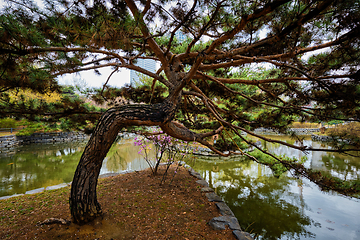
135, 206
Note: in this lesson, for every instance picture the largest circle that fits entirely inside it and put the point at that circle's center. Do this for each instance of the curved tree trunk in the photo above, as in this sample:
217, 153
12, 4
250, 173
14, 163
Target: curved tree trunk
84, 206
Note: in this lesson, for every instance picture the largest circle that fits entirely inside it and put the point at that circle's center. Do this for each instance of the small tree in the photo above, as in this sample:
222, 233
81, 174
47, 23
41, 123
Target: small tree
165, 148
161, 145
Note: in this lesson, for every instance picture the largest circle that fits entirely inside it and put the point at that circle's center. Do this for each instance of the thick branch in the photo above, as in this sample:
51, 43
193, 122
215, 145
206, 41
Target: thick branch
245, 19
34, 50
83, 200
264, 81
179, 131
152, 43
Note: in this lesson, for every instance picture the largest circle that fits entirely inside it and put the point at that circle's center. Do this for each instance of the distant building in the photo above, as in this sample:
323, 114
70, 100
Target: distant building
150, 64
147, 64
180, 36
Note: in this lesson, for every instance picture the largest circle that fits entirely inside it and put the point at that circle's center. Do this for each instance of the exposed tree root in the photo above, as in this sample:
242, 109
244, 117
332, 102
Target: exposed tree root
54, 221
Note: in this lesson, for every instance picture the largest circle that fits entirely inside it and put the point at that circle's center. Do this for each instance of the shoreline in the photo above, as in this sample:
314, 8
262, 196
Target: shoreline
225, 219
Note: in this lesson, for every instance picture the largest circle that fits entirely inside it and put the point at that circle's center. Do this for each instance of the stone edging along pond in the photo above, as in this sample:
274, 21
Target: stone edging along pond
300, 131
7, 143
227, 217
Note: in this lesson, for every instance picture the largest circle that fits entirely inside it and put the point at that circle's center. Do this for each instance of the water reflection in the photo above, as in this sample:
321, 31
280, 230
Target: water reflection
38, 165
42, 165
286, 207
124, 156
343, 166
268, 207
264, 205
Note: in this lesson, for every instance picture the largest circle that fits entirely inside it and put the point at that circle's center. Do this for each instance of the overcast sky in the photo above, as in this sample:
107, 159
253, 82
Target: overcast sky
91, 79
118, 79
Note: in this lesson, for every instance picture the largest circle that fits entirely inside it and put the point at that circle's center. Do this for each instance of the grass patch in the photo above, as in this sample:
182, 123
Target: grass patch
304, 125
350, 131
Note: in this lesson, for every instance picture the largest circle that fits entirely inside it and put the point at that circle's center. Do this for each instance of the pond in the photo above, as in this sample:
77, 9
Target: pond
38, 166
268, 207
286, 207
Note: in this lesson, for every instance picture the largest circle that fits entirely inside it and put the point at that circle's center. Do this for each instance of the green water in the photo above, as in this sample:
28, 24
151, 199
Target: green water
35, 166
43, 165
286, 207
267, 207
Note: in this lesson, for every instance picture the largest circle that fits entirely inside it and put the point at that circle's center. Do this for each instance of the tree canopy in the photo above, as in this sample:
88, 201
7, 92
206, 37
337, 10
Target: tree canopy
213, 79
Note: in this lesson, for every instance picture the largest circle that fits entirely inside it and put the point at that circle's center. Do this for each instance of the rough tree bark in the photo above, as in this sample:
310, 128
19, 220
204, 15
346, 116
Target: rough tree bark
84, 206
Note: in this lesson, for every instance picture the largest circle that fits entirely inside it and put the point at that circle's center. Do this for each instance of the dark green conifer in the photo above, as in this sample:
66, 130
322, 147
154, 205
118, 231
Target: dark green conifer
312, 48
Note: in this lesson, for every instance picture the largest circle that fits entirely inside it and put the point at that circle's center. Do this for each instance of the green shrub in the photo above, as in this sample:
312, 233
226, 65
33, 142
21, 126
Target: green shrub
65, 124
34, 127
231, 144
350, 131
277, 167
8, 123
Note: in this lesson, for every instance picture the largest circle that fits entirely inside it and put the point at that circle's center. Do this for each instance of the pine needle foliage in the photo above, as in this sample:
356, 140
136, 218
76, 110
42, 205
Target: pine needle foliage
234, 65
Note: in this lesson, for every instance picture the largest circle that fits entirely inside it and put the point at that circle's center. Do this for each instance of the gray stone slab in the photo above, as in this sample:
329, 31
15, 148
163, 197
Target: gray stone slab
202, 182
198, 176
224, 209
35, 191
6, 197
195, 174
220, 223
56, 186
108, 175
213, 197
240, 235
207, 189
182, 163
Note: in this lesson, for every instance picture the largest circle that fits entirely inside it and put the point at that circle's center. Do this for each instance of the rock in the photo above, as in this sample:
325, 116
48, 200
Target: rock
224, 209
55, 221
108, 175
220, 223
195, 174
240, 235
207, 189
35, 191
213, 197
56, 186
202, 182
6, 197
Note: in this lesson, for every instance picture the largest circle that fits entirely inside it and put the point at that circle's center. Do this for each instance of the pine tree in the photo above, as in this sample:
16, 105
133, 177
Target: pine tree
312, 48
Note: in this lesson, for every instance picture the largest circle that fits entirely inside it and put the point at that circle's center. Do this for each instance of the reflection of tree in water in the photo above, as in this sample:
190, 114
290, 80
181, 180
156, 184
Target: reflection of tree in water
264, 205
122, 154
262, 209
116, 158
342, 166
38, 165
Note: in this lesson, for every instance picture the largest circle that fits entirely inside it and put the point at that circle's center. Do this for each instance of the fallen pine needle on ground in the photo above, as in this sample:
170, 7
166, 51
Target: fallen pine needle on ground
135, 206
